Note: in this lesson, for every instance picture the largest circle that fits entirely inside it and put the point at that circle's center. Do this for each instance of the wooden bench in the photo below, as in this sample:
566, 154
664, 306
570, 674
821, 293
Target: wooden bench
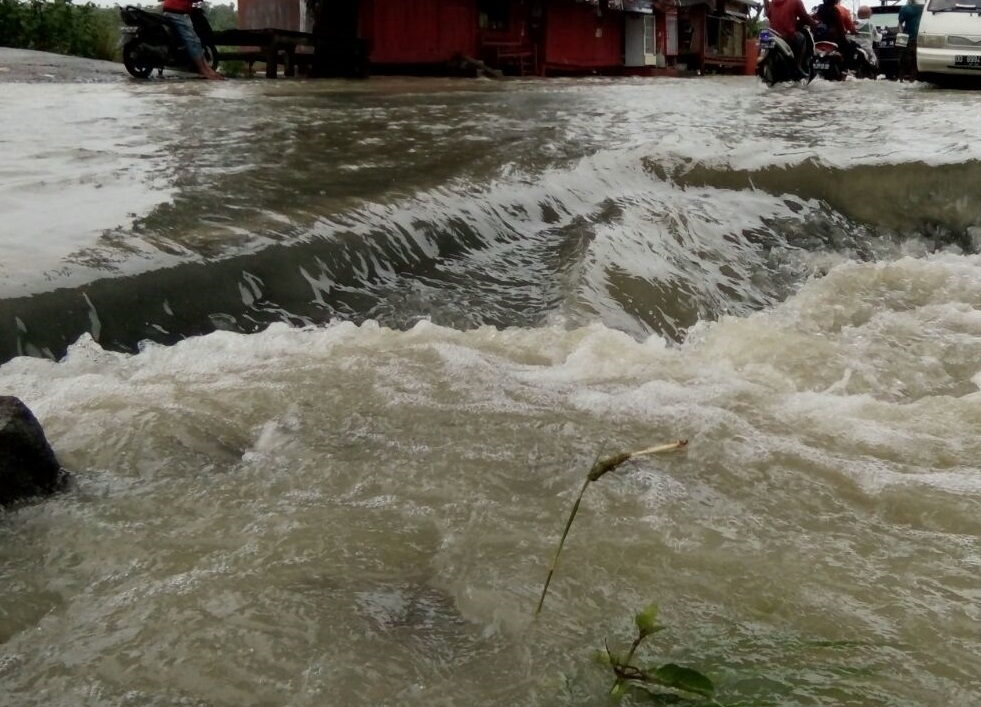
270, 46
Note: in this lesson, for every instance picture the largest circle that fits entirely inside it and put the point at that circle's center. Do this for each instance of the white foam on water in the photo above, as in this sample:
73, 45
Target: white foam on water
879, 357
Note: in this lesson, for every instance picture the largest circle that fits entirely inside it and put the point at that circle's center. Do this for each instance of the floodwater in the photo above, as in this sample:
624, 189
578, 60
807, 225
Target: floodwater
330, 360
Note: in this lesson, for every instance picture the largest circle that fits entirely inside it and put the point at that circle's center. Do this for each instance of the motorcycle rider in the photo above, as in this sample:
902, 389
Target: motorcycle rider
866, 35
784, 17
865, 27
846, 18
833, 27
178, 12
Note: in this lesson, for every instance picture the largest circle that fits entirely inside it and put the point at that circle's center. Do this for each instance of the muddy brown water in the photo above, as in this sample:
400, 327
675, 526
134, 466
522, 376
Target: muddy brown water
329, 361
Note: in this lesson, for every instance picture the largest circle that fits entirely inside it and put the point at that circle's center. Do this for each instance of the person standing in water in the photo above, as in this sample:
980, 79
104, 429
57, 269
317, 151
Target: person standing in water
909, 23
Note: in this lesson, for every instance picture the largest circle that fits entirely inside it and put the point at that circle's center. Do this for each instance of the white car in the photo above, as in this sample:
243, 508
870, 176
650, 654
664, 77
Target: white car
948, 45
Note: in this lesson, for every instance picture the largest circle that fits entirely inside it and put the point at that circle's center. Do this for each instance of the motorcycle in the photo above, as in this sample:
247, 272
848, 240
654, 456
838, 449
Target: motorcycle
776, 62
830, 65
149, 42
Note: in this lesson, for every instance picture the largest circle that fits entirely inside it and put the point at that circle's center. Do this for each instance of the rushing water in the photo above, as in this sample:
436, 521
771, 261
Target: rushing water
329, 362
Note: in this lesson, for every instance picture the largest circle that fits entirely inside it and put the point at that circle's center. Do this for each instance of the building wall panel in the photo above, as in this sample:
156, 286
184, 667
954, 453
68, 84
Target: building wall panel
418, 31
576, 37
278, 14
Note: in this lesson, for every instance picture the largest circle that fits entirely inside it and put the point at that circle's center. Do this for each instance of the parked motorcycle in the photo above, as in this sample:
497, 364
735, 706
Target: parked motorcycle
776, 62
150, 42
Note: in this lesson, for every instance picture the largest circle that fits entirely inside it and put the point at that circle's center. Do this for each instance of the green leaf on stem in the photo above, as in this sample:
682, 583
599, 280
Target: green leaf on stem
679, 678
618, 690
646, 621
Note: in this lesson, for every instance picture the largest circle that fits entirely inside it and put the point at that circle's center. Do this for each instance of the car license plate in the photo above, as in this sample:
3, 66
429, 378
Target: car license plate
968, 60
821, 65
887, 42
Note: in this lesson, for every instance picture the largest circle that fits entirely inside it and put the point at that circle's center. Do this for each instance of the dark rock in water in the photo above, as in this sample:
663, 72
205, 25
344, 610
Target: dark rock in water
28, 466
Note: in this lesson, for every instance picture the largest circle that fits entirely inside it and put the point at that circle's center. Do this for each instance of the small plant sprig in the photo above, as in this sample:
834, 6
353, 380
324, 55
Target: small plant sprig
659, 681
598, 470
668, 683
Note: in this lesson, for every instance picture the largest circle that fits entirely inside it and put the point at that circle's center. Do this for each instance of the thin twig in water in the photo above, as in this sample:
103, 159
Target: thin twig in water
568, 525
600, 467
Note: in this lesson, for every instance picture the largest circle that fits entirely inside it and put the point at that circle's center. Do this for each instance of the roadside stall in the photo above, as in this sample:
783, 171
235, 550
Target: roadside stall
713, 34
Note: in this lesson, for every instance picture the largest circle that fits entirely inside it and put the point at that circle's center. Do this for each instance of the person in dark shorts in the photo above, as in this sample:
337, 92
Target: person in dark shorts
909, 23
178, 12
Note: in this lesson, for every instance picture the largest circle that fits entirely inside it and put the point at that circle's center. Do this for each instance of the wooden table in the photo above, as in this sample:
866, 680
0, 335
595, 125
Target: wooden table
270, 45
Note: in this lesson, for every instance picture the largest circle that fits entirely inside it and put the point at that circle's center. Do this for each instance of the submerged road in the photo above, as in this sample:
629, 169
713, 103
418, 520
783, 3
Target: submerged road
29, 66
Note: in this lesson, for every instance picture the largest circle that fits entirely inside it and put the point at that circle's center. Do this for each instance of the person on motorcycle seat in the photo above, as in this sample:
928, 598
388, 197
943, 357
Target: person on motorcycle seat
178, 12
865, 27
784, 17
866, 36
834, 26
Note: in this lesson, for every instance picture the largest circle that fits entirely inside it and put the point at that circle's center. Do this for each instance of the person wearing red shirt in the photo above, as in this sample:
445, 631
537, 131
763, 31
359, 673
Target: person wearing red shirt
179, 14
834, 28
846, 19
784, 17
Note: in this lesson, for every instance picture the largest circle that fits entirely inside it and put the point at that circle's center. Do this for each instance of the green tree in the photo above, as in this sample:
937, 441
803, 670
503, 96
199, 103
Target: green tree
13, 30
60, 26
222, 17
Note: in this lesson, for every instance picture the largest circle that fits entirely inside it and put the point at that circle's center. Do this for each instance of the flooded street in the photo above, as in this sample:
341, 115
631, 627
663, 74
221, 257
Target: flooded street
330, 360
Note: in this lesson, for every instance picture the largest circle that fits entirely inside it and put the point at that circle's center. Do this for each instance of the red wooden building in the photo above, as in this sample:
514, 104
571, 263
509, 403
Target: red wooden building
281, 14
517, 36
525, 37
